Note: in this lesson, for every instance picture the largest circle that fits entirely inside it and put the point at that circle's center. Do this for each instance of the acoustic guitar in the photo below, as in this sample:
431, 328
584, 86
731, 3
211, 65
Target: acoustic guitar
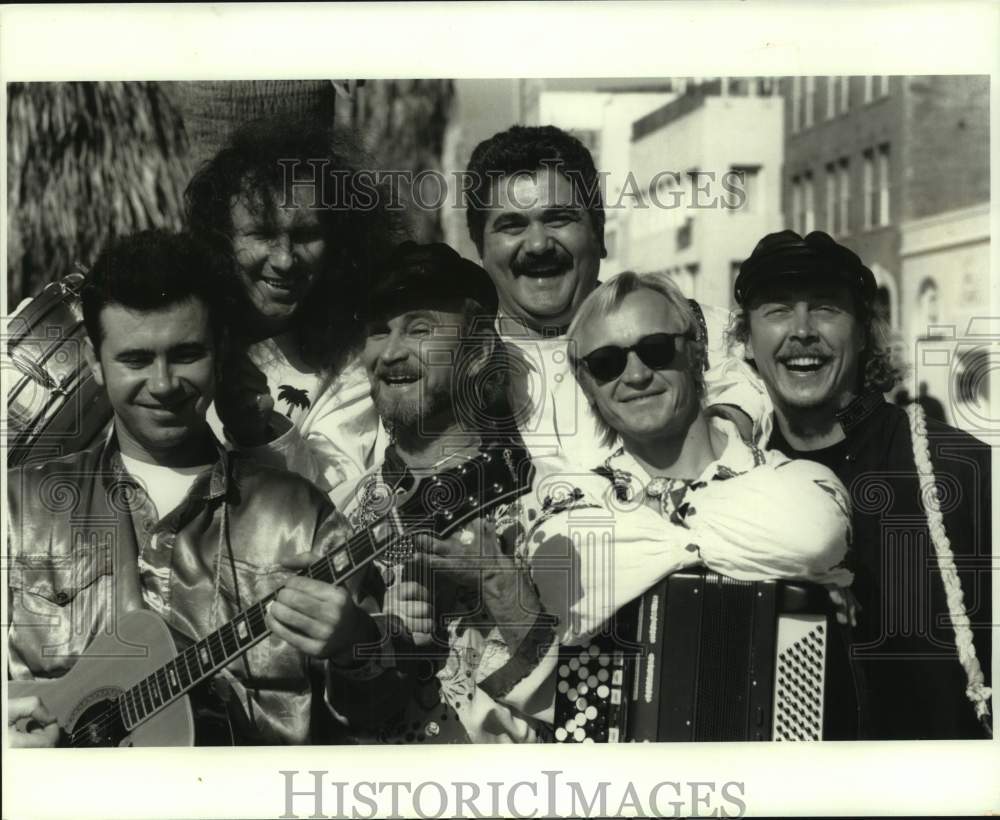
143, 701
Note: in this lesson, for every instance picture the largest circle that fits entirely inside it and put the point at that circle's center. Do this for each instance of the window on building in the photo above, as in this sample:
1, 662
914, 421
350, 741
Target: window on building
845, 94
745, 179
882, 85
810, 102
831, 96
870, 191
844, 193
830, 197
809, 205
883, 185
796, 103
869, 84
798, 218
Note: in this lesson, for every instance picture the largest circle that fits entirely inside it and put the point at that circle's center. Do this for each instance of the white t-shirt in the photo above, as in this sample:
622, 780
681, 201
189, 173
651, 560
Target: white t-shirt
336, 435
165, 486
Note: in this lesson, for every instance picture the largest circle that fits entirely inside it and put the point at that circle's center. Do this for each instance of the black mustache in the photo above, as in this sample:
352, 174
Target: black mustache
526, 266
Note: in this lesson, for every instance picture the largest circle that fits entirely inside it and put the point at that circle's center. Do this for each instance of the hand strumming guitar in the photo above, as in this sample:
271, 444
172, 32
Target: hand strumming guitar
472, 558
29, 724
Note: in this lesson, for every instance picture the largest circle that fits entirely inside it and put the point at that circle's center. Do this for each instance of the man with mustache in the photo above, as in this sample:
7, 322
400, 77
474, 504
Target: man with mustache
285, 202
536, 215
486, 609
921, 550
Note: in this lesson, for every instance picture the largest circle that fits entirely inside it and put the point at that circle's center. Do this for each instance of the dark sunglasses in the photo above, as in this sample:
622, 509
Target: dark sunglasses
656, 351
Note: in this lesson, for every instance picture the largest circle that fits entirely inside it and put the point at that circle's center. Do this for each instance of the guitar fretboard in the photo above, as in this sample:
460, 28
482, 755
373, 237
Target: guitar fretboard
203, 659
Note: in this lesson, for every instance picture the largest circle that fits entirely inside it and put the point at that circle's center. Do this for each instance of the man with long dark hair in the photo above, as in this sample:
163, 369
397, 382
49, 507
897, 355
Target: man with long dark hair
292, 206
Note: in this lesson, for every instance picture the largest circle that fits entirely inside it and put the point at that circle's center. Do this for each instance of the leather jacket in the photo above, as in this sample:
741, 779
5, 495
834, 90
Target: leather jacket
76, 528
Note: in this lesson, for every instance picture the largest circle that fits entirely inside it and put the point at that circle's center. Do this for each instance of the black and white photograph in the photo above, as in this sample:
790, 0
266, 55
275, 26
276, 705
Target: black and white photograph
630, 411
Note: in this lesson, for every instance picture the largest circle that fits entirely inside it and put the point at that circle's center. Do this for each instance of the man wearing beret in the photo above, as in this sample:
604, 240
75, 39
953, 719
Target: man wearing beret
486, 609
920, 490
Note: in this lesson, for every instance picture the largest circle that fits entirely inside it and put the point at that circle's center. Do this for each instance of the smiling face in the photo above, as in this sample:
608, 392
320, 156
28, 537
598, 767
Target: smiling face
540, 248
806, 340
409, 357
158, 368
642, 403
280, 255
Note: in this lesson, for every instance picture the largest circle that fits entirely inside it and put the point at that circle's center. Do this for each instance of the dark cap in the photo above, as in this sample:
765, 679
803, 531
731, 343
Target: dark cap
817, 253
428, 272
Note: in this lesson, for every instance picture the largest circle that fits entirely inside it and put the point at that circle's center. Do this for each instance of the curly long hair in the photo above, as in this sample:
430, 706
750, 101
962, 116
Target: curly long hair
357, 225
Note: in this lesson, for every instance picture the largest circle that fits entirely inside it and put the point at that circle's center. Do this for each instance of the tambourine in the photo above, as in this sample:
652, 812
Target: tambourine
54, 405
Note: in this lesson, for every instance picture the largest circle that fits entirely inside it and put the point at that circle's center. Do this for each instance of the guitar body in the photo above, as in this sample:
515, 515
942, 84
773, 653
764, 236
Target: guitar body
102, 674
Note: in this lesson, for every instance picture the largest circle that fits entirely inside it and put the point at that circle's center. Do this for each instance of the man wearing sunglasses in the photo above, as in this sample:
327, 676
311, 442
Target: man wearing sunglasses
921, 515
536, 216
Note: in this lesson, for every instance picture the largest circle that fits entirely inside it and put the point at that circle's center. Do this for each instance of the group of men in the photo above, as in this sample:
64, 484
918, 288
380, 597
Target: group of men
758, 446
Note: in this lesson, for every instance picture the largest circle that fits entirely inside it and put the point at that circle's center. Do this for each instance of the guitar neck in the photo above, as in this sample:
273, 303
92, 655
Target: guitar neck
449, 500
203, 659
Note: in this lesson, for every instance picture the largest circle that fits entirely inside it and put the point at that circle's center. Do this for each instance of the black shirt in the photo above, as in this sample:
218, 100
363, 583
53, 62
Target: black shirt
904, 644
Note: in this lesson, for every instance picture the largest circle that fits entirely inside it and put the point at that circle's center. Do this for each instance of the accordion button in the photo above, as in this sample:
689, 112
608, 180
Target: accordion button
581, 704
570, 725
583, 689
561, 734
584, 657
602, 675
594, 651
603, 692
591, 713
579, 735
592, 681
574, 664
564, 671
580, 719
604, 660
563, 687
581, 673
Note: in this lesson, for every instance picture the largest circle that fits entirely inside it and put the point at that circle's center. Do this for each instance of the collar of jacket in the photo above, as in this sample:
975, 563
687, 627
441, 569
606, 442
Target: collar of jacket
208, 486
860, 408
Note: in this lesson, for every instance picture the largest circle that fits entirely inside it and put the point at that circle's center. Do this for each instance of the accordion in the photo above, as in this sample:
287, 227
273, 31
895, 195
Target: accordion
702, 657
54, 405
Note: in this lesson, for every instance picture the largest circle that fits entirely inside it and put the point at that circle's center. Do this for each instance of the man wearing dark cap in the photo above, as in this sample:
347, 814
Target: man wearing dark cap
921, 555
468, 675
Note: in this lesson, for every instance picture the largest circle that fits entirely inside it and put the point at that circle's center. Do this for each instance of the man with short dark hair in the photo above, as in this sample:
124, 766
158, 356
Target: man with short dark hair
159, 516
536, 214
920, 489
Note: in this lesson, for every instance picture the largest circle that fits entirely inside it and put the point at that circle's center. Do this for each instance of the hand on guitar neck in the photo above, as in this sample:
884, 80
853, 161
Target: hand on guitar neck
317, 618
29, 723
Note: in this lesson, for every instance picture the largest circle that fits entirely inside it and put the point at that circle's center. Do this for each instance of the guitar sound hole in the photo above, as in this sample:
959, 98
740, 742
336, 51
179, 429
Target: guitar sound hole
99, 725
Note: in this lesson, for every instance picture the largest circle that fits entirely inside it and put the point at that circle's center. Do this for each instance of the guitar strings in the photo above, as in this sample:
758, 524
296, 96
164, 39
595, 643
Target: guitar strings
104, 721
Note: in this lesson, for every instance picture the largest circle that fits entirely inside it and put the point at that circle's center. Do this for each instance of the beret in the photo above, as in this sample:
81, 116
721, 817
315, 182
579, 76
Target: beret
817, 253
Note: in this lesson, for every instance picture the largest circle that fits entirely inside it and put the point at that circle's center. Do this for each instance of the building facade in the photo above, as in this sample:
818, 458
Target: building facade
707, 168
895, 167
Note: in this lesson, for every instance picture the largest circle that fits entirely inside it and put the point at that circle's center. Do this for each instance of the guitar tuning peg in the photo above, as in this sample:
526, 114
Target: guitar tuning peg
472, 501
487, 458
448, 515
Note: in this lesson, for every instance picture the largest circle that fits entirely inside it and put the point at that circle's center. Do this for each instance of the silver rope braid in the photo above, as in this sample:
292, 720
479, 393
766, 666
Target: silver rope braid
976, 690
